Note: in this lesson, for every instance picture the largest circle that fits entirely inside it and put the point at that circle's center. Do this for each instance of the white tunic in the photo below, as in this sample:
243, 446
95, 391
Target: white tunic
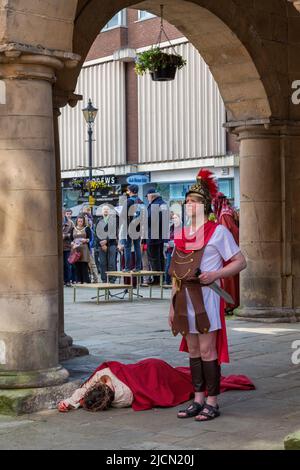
221, 247
123, 394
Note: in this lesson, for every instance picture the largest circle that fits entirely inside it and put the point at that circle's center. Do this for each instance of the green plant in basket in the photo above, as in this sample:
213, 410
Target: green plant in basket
155, 59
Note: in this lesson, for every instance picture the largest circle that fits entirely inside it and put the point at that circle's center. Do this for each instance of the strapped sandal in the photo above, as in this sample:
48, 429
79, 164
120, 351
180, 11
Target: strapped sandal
192, 410
209, 412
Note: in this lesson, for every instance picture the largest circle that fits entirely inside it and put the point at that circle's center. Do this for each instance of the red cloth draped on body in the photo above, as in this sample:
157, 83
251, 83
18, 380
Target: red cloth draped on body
154, 382
184, 243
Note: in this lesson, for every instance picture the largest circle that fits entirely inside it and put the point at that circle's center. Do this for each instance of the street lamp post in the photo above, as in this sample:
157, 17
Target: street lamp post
90, 114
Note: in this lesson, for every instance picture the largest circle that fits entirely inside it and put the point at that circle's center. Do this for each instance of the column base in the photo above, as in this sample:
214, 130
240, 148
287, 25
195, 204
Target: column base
31, 400
37, 379
72, 351
268, 314
68, 350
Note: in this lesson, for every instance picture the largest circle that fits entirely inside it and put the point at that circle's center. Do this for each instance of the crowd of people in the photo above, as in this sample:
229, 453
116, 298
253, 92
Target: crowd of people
123, 238
133, 237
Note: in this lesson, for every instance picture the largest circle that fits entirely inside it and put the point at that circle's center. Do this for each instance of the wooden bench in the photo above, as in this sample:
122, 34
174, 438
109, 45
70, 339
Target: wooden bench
107, 287
138, 275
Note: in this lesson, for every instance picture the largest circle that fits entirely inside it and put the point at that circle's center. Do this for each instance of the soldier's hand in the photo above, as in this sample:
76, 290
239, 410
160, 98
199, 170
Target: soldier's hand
208, 277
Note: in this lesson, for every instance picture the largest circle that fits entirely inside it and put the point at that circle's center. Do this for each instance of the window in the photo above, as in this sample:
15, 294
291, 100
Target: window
226, 187
179, 190
145, 15
118, 20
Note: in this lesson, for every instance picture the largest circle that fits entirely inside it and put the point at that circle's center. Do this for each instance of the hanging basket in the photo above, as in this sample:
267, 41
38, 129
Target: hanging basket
162, 65
164, 74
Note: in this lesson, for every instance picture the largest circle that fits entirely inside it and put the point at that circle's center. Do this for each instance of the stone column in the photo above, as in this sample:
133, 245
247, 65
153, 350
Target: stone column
290, 149
266, 229
66, 347
64, 341
28, 252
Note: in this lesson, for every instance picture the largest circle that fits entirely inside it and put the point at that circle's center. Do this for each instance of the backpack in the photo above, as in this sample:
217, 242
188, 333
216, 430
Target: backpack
139, 205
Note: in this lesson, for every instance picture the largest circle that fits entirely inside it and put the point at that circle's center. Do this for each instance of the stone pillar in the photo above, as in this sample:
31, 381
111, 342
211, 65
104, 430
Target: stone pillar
66, 347
290, 148
64, 341
28, 254
267, 230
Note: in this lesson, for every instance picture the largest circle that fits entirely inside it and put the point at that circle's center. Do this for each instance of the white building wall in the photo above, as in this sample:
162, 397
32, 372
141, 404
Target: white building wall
181, 119
177, 120
104, 83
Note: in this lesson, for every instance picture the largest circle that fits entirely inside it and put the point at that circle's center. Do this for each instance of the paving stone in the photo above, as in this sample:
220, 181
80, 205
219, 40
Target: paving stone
126, 332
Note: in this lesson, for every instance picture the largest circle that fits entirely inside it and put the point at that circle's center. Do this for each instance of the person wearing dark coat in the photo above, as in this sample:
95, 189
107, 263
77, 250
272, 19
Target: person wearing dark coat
107, 242
132, 209
158, 226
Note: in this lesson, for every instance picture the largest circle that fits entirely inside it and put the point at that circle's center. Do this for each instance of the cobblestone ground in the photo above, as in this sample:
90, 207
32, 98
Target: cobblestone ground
128, 332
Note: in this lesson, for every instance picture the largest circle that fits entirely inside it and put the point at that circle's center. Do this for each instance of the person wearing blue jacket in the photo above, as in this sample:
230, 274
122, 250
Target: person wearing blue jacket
133, 209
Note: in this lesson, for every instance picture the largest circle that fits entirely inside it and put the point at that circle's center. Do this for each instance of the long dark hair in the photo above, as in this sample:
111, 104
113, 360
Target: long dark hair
99, 398
81, 216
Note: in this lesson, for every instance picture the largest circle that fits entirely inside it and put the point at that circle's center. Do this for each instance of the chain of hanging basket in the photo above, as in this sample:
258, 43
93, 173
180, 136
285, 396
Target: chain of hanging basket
162, 31
162, 65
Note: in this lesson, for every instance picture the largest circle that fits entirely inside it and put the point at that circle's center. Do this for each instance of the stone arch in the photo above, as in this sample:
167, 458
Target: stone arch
226, 34
43, 24
253, 50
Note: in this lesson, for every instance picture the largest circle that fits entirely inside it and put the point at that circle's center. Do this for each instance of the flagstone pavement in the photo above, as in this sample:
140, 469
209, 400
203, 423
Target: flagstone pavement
127, 332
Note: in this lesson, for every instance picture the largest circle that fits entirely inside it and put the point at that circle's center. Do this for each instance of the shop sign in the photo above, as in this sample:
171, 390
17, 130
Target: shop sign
138, 179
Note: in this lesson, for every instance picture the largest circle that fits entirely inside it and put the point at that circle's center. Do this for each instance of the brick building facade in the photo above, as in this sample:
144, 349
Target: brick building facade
135, 113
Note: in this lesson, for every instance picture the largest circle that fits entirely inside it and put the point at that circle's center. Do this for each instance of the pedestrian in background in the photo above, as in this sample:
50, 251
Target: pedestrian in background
81, 236
67, 229
175, 222
132, 208
107, 241
87, 211
157, 211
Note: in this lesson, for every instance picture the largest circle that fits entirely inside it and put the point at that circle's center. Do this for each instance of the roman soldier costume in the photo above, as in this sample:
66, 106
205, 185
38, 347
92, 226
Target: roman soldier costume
199, 309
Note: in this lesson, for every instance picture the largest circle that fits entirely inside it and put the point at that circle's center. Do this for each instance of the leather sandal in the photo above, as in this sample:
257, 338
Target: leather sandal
209, 412
192, 410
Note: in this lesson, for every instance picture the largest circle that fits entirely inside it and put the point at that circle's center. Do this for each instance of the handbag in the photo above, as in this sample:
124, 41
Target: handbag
74, 257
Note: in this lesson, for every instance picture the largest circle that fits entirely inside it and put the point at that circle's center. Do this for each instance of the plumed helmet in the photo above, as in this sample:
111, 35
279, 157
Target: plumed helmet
205, 188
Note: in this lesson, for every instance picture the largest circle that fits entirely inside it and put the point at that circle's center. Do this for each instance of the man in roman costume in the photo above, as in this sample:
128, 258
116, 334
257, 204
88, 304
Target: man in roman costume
197, 310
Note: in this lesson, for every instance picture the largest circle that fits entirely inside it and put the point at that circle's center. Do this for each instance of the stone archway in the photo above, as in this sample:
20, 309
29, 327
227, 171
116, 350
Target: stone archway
252, 49
239, 41
225, 37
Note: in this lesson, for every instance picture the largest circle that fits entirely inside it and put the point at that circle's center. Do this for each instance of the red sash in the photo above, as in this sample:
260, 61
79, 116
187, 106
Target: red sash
200, 238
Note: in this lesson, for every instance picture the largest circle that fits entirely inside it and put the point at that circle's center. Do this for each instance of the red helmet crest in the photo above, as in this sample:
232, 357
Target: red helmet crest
208, 177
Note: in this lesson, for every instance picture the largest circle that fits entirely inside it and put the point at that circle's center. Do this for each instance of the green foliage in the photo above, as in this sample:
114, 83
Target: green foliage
154, 59
212, 217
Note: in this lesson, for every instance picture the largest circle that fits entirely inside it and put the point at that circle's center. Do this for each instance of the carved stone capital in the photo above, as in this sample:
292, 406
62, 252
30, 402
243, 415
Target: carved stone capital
20, 61
262, 130
61, 98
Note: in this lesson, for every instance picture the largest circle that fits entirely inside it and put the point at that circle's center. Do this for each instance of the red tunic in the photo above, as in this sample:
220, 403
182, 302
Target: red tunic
154, 383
